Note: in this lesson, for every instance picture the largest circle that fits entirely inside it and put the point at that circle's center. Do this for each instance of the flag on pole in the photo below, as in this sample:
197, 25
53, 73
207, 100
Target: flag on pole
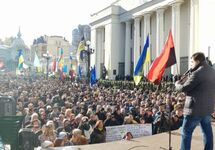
166, 59
21, 60
93, 76
61, 60
65, 68
36, 60
81, 45
79, 71
144, 58
54, 64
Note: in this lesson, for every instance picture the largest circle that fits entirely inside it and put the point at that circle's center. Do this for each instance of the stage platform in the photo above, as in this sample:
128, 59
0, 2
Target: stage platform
155, 142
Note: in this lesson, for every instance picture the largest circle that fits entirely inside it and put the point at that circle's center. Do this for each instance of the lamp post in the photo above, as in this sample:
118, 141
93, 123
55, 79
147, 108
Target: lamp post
47, 56
88, 50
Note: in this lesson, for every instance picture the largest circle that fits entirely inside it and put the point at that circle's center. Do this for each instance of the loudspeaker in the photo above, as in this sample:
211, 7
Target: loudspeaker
26, 139
7, 106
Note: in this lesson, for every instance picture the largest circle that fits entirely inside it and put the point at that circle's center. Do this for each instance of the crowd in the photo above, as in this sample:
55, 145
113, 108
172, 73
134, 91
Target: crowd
69, 113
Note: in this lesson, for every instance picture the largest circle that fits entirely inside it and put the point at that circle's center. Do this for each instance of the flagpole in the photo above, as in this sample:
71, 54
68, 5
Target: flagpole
177, 69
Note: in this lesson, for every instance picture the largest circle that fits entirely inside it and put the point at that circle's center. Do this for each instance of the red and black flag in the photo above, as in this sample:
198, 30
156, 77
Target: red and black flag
166, 59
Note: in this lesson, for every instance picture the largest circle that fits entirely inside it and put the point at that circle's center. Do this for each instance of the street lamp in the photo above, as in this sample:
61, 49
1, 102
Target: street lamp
88, 50
47, 56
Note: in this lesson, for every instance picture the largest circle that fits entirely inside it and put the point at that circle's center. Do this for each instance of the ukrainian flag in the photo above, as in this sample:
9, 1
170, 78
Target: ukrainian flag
81, 46
21, 60
144, 58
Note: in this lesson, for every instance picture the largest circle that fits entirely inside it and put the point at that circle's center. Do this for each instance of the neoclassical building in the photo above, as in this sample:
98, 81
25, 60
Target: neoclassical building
118, 32
9, 54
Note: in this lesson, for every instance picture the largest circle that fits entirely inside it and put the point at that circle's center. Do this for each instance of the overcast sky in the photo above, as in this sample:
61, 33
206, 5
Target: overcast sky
50, 17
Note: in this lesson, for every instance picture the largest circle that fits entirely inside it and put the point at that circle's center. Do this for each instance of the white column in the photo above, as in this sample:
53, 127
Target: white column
146, 32
98, 50
102, 46
160, 30
194, 27
93, 44
136, 40
128, 48
142, 40
176, 34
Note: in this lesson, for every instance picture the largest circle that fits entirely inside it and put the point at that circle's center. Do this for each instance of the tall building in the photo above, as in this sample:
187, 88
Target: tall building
51, 44
118, 32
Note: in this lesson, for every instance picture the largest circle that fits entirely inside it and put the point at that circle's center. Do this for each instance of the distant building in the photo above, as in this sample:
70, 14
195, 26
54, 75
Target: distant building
52, 44
9, 54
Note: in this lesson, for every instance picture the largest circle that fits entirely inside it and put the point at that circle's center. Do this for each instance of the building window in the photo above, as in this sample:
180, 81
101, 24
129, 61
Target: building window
121, 69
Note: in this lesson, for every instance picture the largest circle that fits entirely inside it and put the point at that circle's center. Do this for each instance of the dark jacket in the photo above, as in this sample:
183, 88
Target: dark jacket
98, 136
200, 91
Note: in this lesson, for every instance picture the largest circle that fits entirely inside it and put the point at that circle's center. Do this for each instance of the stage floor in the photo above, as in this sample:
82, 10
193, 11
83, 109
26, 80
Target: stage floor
155, 142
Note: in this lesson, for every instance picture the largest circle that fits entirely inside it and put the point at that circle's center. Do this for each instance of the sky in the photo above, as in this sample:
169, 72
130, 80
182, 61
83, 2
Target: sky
45, 17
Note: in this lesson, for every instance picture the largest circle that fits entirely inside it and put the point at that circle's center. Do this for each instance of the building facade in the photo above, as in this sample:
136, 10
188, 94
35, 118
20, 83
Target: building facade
52, 45
118, 33
9, 54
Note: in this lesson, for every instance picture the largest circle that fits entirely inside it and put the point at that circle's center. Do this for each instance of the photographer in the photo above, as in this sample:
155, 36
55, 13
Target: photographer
161, 122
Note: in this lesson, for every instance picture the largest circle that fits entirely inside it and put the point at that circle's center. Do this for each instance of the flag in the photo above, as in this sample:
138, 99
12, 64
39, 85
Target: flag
65, 68
54, 63
20, 60
25, 66
79, 71
81, 45
166, 59
36, 60
93, 76
61, 60
144, 58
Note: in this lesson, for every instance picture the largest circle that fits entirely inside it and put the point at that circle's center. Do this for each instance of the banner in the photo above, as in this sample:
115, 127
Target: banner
137, 130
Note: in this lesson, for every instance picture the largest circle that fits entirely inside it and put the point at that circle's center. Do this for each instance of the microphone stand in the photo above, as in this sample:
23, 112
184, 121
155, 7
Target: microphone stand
169, 132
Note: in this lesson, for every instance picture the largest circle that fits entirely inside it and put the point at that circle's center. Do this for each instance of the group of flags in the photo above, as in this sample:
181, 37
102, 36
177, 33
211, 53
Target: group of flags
57, 64
166, 59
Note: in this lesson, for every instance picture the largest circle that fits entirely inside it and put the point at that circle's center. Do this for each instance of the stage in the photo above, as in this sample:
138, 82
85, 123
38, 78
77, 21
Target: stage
155, 142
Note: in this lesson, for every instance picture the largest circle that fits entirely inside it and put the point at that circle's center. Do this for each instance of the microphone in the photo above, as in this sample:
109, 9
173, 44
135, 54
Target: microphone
188, 71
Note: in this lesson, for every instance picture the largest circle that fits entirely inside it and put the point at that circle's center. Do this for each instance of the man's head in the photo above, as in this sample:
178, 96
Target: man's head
196, 59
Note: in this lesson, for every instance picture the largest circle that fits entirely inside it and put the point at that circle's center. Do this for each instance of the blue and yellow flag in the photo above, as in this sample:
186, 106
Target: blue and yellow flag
144, 58
21, 60
81, 46
93, 76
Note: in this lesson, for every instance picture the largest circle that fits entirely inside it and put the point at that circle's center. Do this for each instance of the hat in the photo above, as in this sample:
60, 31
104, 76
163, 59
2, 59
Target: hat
46, 144
62, 135
50, 122
48, 107
84, 119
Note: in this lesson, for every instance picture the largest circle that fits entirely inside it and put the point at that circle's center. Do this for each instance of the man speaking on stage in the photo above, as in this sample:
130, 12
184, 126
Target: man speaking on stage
199, 86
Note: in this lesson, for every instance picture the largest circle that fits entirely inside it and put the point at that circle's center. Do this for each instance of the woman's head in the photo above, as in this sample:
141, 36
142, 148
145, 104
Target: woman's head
128, 136
99, 124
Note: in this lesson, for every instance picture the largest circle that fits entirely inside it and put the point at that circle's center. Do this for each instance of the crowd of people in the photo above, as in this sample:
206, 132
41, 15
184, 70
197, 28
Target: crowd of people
70, 113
